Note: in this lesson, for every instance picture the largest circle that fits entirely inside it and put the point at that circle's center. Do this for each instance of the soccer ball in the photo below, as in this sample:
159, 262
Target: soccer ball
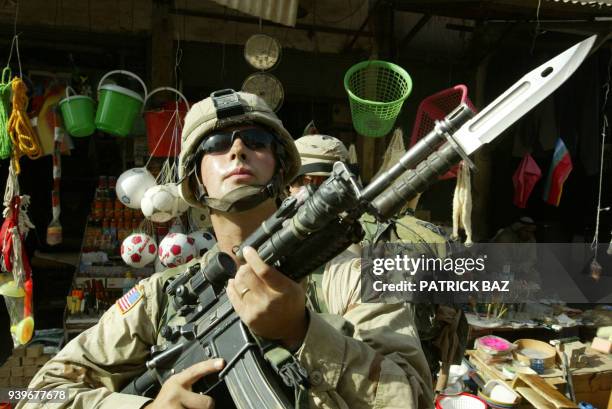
204, 241
132, 185
176, 249
161, 203
138, 250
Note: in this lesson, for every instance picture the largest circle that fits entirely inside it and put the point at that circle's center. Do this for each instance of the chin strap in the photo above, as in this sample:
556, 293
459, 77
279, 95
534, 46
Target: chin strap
244, 198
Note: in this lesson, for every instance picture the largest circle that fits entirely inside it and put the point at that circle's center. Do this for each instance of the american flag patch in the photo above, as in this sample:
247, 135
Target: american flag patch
129, 299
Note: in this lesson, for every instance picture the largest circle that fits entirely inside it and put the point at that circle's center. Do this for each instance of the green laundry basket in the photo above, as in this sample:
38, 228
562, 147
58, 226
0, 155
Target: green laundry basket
376, 90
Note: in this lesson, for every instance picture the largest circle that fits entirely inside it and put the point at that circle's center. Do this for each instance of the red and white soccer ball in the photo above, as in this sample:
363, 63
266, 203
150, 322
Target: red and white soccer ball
138, 250
176, 249
204, 241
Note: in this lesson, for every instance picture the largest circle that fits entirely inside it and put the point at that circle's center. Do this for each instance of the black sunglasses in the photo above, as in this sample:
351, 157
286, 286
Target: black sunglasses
220, 142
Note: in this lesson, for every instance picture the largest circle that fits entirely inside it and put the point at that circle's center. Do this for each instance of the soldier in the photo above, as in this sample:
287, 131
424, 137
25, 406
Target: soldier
235, 159
318, 154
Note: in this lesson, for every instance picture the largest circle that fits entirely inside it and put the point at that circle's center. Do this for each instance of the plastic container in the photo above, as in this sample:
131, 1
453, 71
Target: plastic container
377, 91
78, 112
164, 125
492, 345
118, 106
461, 401
497, 394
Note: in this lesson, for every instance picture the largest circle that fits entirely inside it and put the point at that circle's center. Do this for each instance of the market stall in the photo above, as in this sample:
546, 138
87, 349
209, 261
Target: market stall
495, 151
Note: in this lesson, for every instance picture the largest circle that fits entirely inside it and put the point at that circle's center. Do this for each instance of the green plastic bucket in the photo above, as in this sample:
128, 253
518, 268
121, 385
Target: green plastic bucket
118, 106
78, 114
376, 90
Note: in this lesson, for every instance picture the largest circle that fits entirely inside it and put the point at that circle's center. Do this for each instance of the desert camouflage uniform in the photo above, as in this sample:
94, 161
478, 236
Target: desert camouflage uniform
363, 356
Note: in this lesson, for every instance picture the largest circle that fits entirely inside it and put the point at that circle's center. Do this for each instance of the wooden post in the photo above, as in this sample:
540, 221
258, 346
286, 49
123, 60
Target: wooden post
481, 180
162, 45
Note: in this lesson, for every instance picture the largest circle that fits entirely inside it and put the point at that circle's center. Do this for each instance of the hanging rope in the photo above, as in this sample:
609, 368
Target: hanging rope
604, 131
5, 107
24, 139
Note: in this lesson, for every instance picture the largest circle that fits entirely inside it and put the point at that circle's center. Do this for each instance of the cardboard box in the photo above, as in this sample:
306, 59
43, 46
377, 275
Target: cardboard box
28, 361
602, 345
12, 362
30, 371
34, 351
17, 371
18, 352
5, 372
4, 382
41, 360
16, 381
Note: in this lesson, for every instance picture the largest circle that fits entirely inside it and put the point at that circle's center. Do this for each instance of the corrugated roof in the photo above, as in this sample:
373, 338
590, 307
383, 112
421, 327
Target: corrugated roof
279, 11
592, 3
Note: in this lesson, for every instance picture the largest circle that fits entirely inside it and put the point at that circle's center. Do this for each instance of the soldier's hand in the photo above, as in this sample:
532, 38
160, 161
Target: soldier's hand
176, 391
271, 304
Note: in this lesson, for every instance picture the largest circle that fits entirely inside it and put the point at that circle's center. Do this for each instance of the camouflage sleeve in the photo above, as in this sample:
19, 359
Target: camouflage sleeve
102, 359
381, 365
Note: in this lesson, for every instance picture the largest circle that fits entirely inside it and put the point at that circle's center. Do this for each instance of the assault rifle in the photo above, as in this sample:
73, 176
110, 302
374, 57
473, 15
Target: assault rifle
309, 230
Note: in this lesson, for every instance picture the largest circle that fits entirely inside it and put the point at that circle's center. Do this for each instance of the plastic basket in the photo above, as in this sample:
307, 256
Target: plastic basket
161, 125
436, 107
376, 90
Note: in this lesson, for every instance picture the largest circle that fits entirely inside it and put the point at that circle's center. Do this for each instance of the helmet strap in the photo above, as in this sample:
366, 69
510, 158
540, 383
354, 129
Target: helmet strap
243, 198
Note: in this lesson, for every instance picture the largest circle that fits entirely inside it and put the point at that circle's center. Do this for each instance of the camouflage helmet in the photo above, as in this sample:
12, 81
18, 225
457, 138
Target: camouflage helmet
222, 109
318, 153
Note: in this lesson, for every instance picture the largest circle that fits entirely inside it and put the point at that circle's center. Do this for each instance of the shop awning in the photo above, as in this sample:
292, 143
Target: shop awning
279, 11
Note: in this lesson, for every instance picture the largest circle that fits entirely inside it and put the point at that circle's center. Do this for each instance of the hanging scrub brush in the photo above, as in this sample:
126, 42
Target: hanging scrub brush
54, 230
462, 205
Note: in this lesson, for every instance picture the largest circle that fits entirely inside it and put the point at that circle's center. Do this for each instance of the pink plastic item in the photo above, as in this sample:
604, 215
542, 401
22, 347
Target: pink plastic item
493, 345
436, 107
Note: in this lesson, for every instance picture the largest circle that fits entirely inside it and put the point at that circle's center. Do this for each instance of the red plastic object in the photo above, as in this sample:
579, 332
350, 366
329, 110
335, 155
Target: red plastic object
436, 107
161, 126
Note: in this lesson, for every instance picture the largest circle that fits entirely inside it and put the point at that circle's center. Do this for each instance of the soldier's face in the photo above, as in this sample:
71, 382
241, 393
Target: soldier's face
222, 172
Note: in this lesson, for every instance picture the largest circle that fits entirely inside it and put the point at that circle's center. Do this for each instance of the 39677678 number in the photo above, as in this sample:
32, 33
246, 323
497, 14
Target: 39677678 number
14, 395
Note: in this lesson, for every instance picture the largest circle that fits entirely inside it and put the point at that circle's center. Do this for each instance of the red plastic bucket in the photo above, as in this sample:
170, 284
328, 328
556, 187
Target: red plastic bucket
164, 125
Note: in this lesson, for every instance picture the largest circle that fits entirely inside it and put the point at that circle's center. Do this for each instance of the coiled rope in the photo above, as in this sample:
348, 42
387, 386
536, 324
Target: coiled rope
25, 140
